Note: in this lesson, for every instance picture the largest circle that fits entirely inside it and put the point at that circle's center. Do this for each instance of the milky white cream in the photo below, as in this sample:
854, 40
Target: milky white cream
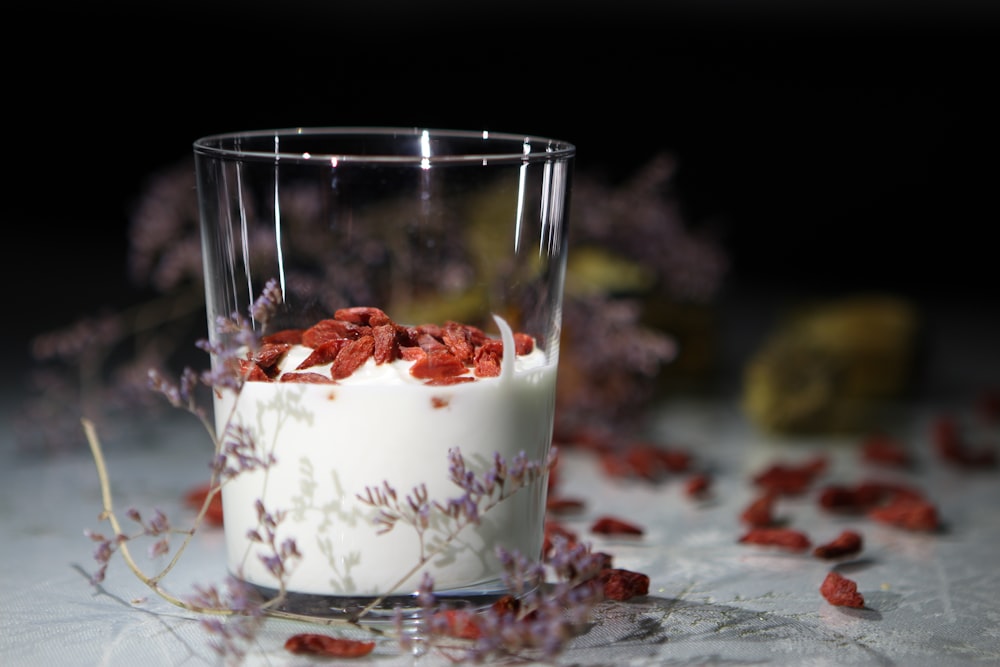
331, 441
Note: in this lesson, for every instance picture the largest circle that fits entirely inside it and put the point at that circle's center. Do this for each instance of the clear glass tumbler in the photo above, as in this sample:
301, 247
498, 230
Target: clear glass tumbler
413, 356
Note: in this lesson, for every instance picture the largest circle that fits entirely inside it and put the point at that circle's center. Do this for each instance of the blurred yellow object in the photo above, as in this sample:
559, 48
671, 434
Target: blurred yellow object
827, 367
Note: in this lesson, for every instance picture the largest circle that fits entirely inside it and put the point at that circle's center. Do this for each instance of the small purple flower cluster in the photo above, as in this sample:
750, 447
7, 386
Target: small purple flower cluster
158, 527
243, 610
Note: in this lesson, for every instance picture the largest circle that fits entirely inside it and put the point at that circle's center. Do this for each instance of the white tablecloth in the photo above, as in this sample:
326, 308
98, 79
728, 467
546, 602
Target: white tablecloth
931, 599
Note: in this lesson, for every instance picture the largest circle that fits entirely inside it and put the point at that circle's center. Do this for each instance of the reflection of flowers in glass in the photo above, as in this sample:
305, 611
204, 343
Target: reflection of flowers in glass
629, 248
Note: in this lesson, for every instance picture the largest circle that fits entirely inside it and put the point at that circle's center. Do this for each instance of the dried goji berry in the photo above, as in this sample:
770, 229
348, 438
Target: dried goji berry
328, 329
951, 446
609, 525
698, 485
908, 513
559, 505
386, 344
553, 530
785, 538
436, 365
363, 315
883, 449
307, 377
487, 359
845, 544
459, 623
324, 353
195, 498
252, 372
619, 584
446, 381
270, 354
841, 591
289, 336
790, 479
760, 511
458, 341
324, 645
523, 343
352, 357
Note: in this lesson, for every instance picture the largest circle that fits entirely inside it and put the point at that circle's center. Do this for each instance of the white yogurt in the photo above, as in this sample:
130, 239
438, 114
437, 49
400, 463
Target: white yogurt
331, 441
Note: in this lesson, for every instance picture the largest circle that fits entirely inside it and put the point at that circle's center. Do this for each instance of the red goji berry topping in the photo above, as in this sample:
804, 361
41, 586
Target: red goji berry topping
609, 525
309, 378
841, 591
364, 315
324, 353
441, 355
845, 544
352, 357
309, 643
270, 354
785, 538
287, 336
252, 372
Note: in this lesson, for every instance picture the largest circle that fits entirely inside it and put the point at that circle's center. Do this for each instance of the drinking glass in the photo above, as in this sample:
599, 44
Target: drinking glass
387, 416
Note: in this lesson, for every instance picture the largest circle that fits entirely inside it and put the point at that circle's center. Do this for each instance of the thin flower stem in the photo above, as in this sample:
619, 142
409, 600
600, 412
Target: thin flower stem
108, 512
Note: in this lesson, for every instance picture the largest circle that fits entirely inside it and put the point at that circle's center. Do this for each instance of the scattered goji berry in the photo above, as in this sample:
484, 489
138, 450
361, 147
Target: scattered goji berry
951, 446
609, 525
882, 449
195, 498
620, 584
841, 591
364, 315
785, 538
698, 485
561, 505
760, 511
309, 643
459, 623
790, 479
846, 544
553, 530
906, 512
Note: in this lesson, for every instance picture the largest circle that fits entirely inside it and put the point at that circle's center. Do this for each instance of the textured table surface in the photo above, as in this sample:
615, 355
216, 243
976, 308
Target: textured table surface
931, 598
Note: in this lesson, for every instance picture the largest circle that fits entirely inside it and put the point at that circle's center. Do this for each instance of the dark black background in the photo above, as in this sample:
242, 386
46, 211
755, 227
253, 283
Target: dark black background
838, 146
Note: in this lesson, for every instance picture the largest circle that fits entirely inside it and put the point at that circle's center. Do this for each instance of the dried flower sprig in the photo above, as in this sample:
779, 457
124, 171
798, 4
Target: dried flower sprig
235, 452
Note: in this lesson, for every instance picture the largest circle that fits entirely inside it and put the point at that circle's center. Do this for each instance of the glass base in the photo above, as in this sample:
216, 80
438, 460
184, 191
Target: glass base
391, 609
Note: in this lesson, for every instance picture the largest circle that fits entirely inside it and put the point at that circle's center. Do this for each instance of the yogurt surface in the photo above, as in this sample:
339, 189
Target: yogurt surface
381, 425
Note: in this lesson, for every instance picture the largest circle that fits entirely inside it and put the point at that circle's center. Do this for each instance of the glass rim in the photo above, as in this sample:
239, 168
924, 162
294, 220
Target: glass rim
496, 146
